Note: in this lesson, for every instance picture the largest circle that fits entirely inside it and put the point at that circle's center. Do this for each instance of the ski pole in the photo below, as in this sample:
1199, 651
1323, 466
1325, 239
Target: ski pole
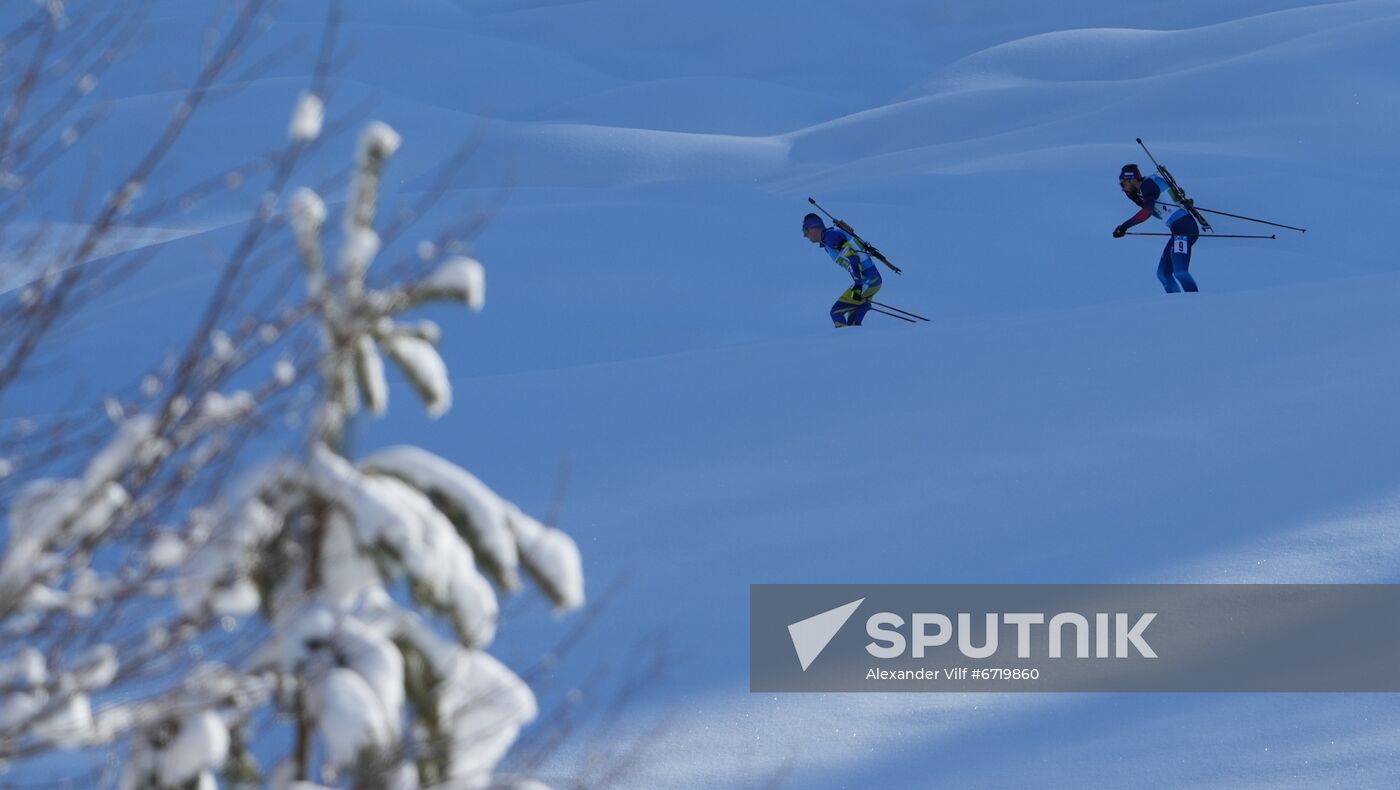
893, 315
870, 248
896, 309
1206, 235
1240, 216
1193, 208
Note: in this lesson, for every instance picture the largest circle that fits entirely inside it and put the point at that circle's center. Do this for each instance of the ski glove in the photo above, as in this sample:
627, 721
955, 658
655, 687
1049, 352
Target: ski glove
1119, 232
857, 295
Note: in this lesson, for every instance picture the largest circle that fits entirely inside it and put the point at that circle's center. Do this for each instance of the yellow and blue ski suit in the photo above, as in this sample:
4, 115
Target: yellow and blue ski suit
849, 255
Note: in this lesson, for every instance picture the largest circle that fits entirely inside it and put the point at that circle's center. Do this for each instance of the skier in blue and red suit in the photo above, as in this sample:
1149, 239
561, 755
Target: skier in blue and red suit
1158, 200
854, 303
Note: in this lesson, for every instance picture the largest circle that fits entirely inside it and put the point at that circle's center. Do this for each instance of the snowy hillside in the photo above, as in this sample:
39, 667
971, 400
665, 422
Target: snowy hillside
657, 320
1238, 438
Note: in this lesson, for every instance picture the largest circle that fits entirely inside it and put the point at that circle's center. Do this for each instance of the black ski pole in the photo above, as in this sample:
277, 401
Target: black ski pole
870, 248
1175, 187
896, 309
1243, 217
893, 315
1206, 236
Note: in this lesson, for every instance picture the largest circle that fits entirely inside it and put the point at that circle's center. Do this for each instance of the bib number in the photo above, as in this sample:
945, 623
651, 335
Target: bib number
1179, 245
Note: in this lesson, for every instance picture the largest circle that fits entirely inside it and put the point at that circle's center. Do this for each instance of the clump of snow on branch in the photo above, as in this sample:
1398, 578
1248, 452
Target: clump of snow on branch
487, 704
387, 513
215, 407
361, 246
307, 118
67, 725
184, 750
49, 514
378, 142
351, 717
502, 535
459, 279
369, 374
215, 580
424, 368
551, 557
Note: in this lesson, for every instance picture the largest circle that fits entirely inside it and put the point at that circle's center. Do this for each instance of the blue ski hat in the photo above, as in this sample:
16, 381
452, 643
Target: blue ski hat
812, 221
1129, 171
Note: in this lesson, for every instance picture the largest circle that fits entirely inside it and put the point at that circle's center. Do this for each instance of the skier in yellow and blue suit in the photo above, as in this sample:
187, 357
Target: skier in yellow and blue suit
851, 308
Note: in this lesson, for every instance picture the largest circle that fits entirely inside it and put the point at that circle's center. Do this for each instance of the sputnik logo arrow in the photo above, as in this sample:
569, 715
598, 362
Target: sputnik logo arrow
811, 636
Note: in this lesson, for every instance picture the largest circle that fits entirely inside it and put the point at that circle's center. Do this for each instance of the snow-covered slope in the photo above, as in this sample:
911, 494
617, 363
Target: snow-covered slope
1234, 438
656, 318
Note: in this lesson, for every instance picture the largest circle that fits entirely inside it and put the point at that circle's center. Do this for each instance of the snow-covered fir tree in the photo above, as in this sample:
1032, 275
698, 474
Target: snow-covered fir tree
344, 605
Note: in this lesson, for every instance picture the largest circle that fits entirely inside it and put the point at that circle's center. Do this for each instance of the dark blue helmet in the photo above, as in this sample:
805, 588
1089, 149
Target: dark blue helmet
812, 221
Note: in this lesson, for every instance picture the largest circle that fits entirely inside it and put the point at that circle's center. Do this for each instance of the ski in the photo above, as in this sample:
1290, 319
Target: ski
870, 248
1184, 201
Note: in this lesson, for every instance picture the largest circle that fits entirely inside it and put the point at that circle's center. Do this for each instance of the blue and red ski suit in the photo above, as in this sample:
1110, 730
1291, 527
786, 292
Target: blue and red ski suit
1158, 200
